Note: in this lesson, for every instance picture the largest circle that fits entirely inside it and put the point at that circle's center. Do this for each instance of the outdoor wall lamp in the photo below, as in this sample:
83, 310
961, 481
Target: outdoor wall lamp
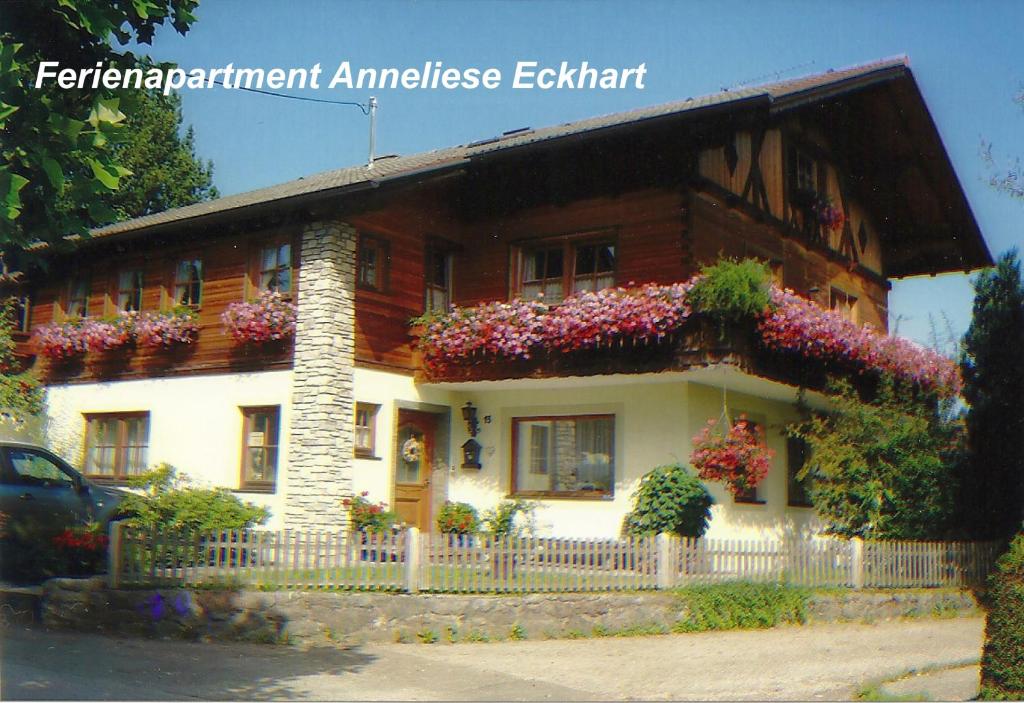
471, 454
469, 415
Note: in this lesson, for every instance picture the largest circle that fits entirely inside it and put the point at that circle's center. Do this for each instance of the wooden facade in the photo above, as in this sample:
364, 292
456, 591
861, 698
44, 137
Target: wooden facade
668, 196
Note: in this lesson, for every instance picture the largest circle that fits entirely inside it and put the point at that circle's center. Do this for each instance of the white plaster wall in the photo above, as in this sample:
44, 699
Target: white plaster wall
196, 426
654, 424
387, 390
195, 423
774, 518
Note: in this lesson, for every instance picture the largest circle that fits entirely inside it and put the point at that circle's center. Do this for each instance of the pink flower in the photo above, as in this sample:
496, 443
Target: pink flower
268, 318
519, 329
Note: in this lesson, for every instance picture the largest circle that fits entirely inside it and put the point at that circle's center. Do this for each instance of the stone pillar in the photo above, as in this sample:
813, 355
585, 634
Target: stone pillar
320, 446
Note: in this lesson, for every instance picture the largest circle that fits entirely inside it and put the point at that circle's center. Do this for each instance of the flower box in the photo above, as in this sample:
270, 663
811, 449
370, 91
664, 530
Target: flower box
109, 334
61, 341
269, 318
643, 320
164, 330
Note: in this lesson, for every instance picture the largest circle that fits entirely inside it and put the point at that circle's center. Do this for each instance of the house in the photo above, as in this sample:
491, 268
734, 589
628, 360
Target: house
839, 181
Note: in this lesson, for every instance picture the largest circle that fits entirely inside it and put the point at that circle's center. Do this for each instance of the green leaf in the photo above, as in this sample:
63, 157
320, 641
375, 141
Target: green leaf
10, 201
102, 213
108, 110
6, 111
54, 172
105, 177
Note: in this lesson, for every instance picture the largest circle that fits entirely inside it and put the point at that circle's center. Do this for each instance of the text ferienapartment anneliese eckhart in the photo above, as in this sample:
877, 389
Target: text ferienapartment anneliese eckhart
433, 75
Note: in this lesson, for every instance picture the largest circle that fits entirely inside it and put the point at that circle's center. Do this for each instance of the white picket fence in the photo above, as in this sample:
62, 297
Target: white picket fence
411, 562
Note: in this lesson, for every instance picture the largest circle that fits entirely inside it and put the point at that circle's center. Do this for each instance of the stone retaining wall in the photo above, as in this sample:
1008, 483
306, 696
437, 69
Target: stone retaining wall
294, 616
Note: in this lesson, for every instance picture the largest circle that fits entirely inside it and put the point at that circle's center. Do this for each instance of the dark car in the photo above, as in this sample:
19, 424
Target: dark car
38, 487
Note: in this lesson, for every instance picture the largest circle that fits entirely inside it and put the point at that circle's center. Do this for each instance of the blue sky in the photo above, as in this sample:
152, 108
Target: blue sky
965, 57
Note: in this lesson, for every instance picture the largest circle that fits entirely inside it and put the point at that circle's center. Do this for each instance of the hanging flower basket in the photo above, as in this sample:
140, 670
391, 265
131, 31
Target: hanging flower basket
162, 330
269, 318
61, 341
830, 217
737, 458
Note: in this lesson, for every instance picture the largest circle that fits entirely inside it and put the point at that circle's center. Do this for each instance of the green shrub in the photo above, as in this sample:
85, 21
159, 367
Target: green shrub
881, 470
168, 500
732, 291
501, 521
740, 604
1002, 660
670, 499
458, 519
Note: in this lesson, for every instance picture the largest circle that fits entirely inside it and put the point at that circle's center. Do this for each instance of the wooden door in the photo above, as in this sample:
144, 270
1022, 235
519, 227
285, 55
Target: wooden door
413, 452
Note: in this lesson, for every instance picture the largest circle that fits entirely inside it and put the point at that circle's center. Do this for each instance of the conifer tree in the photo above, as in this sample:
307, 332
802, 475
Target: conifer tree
993, 371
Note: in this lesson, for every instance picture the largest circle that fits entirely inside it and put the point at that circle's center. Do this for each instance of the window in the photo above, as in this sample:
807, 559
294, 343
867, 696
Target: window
844, 303
594, 268
260, 428
373, 260
543, 274
188, 283
78, 298
117, 444
803, 172
366, 430
564, 456
751, 494
32, 468
556, 270
129, 290
796, 456
439, 280
275, 268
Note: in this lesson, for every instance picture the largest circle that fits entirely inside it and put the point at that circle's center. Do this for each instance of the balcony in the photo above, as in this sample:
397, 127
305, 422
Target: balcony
654, 328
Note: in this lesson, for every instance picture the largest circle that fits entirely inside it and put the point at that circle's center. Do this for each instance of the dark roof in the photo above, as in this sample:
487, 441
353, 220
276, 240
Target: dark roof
776, 96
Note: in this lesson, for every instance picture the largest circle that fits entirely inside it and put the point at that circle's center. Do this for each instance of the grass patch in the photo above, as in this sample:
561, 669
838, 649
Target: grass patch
874, 692
427, 636
740, 605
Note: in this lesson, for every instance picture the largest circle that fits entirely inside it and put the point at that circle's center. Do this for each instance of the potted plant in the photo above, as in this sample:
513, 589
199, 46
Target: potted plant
459, 521
737, 457
371, 521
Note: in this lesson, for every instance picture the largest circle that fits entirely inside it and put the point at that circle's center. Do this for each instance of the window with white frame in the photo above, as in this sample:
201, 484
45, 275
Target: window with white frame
366, 430
571, 456
555, 269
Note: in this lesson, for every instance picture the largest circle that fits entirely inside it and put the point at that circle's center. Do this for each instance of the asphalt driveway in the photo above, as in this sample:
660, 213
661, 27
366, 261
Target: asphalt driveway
823, 662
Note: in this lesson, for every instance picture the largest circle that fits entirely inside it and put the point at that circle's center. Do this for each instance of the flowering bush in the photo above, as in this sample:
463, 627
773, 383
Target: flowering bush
109, 333
738, 457
82, 550
268, 318
165, 329
367, 516
520, 329
458, 519
797, 325
61, 340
